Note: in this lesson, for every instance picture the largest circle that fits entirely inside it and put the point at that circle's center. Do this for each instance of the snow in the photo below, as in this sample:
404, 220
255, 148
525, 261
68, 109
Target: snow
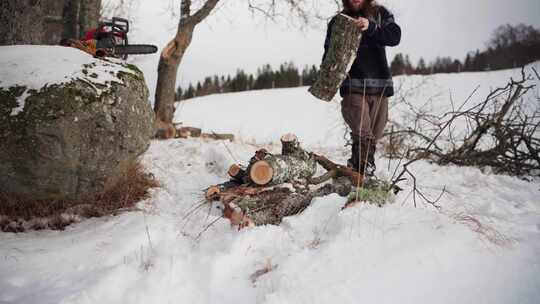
35, 67
482, 246
21, 101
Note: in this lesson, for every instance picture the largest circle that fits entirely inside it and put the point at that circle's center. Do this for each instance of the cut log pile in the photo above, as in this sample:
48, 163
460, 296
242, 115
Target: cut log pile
273, 186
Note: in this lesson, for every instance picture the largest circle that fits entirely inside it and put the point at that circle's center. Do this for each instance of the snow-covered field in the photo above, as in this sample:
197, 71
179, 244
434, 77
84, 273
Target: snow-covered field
482, 246
260, 116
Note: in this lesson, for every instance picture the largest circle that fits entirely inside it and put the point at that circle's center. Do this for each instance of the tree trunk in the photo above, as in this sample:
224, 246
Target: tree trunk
80, 16
46, 21
71, 15
21, 22
89, 15
172, 55
169, 61
53, 22
344, 42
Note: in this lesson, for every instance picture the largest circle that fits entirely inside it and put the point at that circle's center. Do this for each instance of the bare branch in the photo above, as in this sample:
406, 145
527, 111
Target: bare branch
204, 11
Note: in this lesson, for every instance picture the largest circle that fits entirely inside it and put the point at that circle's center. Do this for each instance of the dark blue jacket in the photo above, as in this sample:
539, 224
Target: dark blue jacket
369, 72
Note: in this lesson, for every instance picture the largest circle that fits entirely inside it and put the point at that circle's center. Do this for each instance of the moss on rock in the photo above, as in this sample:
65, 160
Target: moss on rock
75, 138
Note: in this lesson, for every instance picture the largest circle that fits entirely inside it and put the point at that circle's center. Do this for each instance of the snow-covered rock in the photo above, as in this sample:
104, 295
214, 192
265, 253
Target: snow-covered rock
70, 124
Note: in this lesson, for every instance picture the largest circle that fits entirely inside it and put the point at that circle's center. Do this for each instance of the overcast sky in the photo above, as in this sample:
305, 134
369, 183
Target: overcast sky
233, 38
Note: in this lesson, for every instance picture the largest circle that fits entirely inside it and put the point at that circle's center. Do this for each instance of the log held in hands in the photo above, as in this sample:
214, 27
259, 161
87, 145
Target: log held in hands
344, 42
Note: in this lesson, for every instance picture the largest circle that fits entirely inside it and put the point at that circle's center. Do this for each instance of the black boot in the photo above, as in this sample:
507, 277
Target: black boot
370, 166
367, 160
353, 162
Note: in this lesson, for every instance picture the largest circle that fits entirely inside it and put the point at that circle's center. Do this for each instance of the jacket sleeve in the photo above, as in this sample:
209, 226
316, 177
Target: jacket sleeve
327, 40
388, 33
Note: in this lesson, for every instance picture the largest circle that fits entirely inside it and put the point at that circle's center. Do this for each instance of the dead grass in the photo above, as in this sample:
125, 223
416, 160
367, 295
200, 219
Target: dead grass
17, 215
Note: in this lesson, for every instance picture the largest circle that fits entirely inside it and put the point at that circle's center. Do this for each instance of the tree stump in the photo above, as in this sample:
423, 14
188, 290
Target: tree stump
289, 144
344, 42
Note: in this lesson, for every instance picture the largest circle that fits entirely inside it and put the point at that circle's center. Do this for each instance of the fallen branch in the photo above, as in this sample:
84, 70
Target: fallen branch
336, 170
217, 136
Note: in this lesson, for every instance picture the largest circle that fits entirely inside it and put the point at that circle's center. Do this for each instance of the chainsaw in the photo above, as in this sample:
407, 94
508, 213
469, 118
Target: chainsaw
110, 39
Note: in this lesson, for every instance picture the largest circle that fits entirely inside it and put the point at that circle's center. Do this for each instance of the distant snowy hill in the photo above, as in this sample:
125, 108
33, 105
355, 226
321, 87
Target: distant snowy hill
482, 246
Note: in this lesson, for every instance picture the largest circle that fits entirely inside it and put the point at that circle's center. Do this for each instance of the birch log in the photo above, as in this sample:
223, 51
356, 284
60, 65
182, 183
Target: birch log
279, 169
294, 163
270, 207
344, 42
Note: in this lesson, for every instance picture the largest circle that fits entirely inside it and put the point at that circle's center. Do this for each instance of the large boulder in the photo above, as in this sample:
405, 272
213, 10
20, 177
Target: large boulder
70, 125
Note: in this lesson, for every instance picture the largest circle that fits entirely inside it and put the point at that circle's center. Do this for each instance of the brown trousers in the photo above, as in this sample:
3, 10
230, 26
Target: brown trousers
366, 116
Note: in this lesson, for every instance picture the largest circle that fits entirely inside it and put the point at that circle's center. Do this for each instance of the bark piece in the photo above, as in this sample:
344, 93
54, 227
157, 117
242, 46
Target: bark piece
344, 42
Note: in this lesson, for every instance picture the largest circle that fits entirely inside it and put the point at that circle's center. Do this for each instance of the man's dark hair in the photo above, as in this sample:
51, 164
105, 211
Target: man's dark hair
369, 9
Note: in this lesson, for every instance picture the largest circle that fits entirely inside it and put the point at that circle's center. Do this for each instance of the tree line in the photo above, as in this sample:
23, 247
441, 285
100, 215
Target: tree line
510, 46
286, 76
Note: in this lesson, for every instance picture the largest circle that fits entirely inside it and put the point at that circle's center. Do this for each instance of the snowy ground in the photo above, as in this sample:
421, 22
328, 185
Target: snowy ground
483, 246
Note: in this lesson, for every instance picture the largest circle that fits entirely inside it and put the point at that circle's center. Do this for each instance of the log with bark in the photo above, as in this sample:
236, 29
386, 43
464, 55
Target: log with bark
272, 205
294, 163
344, 42
185, 132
